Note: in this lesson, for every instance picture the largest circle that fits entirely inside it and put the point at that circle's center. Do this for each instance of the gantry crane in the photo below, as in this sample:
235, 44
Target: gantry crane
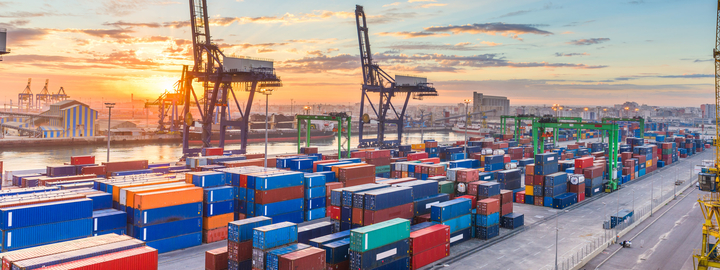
710, 203
169, 103
44, 97
25, 98
375, 80
637, 119
220, 75
60, 96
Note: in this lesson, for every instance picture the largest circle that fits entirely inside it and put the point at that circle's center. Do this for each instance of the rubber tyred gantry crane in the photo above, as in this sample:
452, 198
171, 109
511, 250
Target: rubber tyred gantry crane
377, 81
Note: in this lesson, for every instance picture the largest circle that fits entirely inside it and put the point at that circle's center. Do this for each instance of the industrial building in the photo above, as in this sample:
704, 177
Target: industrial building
68, 118
482, 102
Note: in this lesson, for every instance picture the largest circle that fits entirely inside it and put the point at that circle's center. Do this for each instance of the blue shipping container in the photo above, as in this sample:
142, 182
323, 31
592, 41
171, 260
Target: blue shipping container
208, 179
101, 201
337, 252
486, 233
165, 214
218, 208
387, 198
307, 232
315, 180
422, 206
278, 208
488, 189
19, 238
489, 220
315, 203
176, 242
242, 230
272, 257
318, 242
109, 219
218, 194
294, 217
315, 214
379, 256
268, 182
451, 209
271, 236
458, 223
315, 192
421, 188
460, 236
43, 213
165, 230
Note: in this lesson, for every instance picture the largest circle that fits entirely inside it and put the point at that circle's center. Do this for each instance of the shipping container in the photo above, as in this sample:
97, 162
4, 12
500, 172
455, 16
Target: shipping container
318, 242
165, 230
167, 198
109, 219
270, 236
421, 188
337, 252
19, 238
240, 251
312, 231
176, 242
422, 206
458, 223
373, 217
450, 209
214, 235
37, 214
216, 259
277, 195
217, 221
460, 236
377, 235
386, 198
218, 194
430, 255
267, 182
307, 259
512, 221
64, 257
272, 257
426, 238
165, 214
142, 258
379, 256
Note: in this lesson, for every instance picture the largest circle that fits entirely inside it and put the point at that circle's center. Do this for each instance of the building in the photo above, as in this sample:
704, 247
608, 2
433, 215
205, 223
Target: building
76, 119
708, 110
481, 102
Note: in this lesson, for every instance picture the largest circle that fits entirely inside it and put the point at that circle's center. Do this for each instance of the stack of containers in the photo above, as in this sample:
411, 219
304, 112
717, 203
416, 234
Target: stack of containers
160, 226
455, 214
385, 244
315, 196
337, 248
109, 221
494, 163
240, 241
306, 258
388, 203
279, 196
27, 225
269, 237
218, 203
315, 230
356, 175
510, 179
545, 164
431, 147
555, 185
529, 183
109, 251
343, 202
576, 185
428, 245
593, 180
506, 202
488, 218
381, 160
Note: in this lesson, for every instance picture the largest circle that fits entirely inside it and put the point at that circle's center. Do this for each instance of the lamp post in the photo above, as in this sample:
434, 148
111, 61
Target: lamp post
109, 106
557, 231
291, 107
267, 93
467, 120
307, 109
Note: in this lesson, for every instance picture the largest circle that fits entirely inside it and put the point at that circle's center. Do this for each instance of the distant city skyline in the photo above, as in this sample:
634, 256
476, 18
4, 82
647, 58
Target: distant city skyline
533, 52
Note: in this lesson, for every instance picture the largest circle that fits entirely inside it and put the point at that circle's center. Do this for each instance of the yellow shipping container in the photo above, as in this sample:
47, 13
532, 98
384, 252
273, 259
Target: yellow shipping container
420, 146
529, 190
648, 163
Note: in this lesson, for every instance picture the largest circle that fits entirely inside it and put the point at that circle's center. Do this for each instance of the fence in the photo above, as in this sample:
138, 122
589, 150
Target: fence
578, 257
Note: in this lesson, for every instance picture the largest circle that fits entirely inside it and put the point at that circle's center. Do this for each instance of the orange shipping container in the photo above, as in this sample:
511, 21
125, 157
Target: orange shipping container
118, 186
167, 198
218, 221
131, 192
214, 235
337, 168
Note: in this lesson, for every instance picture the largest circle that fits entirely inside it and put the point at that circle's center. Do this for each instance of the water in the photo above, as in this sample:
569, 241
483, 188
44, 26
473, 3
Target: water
40, 157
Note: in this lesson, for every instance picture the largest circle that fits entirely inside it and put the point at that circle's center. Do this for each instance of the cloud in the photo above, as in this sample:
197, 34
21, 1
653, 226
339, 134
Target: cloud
476, 61
414, 1
321, 64
177, 24
19, 22
464, 46
325, 41
526, 11
406, 34
508, 30
570, 54
102, 33
126, 7
123, 59
698, 60
489, 43
392, 4
636, 2
577, 23
689, 76
388, 17
121, 24
432, 5
22, 37
591, 41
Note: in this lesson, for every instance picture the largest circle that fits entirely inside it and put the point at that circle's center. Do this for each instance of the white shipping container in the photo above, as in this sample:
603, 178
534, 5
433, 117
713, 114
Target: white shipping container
402, 80
245, 64
3, 41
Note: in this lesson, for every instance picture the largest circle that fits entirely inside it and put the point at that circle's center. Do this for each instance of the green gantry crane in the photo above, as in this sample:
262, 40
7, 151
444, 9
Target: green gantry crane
343, 130
639, 120
612, 129
518, 120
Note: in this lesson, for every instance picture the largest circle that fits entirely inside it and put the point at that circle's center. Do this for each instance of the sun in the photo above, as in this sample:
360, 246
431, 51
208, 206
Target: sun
161, 84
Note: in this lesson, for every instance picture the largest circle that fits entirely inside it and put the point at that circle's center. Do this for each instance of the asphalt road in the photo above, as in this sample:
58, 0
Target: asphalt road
660, 242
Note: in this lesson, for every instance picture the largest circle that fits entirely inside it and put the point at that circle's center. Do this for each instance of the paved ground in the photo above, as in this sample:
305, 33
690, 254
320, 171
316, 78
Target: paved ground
534, 248
660, 242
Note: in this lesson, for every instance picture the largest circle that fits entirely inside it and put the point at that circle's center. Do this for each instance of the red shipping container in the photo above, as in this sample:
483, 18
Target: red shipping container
431, 144
417, 156
424, 239
215, 151
345, 265
398, 181
351, 173
278, 195
423, 218
593, 172
507, 158
360, 181
330, 186
118, 166
468, 175
488, 206
538, 200
401, 211
430, 256
506, 196
579, 188
496, 197
473, 187
239, 251
335, 212
214, 235
82, 160
216, 259
380, 161
506, 209
583, 162
520, 197
433, 160
538, 180
357, 216
472, 198
142, 258
580, 196
307, 259
530, 169
96, 170
377, 154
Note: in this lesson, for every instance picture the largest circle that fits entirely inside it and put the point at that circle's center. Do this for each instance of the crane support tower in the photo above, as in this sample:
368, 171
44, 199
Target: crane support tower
220, 76
44, 97
639, 120
3, 43
377, 81
25, 98
169, 106
708, 180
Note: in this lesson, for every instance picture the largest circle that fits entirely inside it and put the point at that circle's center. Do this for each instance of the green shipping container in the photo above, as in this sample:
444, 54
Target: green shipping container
380, 234
382, 169
447, 187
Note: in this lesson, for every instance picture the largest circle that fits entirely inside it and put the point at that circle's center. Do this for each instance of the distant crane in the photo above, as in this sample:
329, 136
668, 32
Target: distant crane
169, 117
60, 96
218, 73
375, 80
25, 98
44, 97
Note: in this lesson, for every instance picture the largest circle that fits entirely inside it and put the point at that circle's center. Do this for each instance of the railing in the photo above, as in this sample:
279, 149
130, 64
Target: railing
576, 258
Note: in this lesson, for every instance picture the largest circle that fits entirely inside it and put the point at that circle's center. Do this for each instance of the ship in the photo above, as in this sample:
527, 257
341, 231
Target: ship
258, 135
471, 130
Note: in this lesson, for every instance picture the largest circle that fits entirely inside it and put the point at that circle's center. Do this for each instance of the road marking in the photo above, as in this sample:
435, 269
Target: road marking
483, 266
516, 249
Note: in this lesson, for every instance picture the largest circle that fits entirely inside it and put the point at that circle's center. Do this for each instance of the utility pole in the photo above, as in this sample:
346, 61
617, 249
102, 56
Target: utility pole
109, 106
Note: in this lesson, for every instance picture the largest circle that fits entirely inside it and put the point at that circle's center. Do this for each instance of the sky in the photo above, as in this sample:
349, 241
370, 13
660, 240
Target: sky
585, 53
